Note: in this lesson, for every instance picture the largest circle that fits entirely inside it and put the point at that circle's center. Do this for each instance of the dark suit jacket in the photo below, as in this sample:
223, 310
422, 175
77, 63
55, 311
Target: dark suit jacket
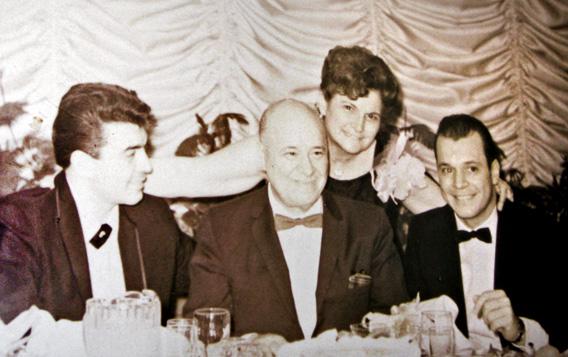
239, 264
43, 259
526, 259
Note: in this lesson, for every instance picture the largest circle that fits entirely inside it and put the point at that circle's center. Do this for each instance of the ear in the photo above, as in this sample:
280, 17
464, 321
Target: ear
81, 161
495, 170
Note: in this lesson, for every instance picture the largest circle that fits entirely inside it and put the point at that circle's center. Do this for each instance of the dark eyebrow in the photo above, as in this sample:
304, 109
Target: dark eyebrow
348, 101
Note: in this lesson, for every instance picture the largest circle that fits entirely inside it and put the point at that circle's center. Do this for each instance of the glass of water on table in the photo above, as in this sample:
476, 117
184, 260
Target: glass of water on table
188, 344
213, 324
438, 333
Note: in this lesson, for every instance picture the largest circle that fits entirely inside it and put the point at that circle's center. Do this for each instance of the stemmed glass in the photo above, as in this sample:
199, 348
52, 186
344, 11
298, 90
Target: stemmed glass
213, 324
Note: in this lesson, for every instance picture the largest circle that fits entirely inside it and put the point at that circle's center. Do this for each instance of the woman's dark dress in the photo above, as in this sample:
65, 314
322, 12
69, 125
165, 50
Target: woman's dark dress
361, 189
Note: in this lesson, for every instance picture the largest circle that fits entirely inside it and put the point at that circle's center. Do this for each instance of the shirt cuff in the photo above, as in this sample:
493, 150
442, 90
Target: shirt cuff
535, 337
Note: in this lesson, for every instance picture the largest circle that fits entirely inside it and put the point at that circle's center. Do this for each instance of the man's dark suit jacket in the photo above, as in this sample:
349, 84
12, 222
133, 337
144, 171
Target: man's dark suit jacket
527, 258
43, 258
239, 264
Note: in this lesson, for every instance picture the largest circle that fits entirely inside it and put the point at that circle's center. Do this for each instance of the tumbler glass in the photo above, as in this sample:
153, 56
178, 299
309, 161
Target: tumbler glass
189, 346
437, 333
123, 326
213, 324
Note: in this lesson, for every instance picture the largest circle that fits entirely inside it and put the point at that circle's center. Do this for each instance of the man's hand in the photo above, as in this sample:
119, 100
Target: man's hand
494, 308
504, 193
547, 351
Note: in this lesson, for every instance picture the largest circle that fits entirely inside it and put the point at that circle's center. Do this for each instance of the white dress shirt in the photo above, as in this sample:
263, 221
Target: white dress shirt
478, 273
105, 264
301, 246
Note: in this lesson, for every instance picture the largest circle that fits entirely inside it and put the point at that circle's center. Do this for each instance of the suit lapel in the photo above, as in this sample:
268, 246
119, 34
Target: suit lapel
448, 251
266, 239
334, 238
503, 232
72, 236
130, 252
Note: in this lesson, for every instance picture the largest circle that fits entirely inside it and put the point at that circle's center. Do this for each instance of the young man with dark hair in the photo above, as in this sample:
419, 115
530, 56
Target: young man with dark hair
495, 265
95, 234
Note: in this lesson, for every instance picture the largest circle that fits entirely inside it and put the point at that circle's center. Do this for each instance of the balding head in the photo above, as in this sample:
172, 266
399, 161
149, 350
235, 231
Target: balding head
289, 110
295, 153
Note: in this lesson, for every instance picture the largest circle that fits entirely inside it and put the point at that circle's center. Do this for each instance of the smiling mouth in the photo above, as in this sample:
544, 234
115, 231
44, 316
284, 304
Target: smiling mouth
354, 136
464, 197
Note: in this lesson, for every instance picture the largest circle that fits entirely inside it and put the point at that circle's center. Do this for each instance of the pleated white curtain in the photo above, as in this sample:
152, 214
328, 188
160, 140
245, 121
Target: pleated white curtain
503, 61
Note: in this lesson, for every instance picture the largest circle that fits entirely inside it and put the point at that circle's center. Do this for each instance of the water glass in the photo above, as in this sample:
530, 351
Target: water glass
431, 318
123, 326
440, 341
437, 333
189, 345
213, 324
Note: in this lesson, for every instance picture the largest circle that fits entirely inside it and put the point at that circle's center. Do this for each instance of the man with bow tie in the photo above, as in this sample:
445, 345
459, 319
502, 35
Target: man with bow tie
95, 234
494, 265
284, 258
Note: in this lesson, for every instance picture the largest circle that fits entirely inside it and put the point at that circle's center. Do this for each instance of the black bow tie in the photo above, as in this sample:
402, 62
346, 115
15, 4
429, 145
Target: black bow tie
101, 236
282, 222
483, 234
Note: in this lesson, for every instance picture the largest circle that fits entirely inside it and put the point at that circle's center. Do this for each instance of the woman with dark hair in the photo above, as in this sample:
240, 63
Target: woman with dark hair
362, 97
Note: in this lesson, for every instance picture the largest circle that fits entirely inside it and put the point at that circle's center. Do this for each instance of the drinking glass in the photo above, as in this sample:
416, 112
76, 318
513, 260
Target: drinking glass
189, 346
124, 326
432, 318
213, 324
440, 341
437, 333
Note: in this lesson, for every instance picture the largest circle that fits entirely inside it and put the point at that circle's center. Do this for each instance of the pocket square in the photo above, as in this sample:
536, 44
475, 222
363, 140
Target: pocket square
359, 279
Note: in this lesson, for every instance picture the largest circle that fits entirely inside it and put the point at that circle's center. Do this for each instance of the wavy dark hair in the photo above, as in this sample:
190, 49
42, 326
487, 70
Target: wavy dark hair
83, 110
458, 126
353, 71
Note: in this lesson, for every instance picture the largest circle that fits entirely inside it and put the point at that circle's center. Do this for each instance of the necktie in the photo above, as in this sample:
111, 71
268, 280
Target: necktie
483, 234
282, 222
101, 236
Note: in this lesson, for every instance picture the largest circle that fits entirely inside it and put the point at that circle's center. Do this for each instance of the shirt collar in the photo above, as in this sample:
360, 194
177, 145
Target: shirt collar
88, 225
279, 208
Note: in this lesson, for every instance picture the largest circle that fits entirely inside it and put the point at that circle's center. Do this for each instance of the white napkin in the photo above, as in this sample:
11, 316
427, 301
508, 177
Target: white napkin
444, 302
47, 338
330, 343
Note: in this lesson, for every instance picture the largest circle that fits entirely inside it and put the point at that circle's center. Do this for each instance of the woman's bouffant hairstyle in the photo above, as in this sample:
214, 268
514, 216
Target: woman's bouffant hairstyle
83, 110
353, 71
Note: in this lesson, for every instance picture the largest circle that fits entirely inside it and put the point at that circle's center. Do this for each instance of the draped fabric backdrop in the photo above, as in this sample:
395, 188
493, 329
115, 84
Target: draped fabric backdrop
503, 61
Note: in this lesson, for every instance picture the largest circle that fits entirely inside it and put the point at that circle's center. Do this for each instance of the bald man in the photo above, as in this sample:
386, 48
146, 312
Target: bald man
287, 259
